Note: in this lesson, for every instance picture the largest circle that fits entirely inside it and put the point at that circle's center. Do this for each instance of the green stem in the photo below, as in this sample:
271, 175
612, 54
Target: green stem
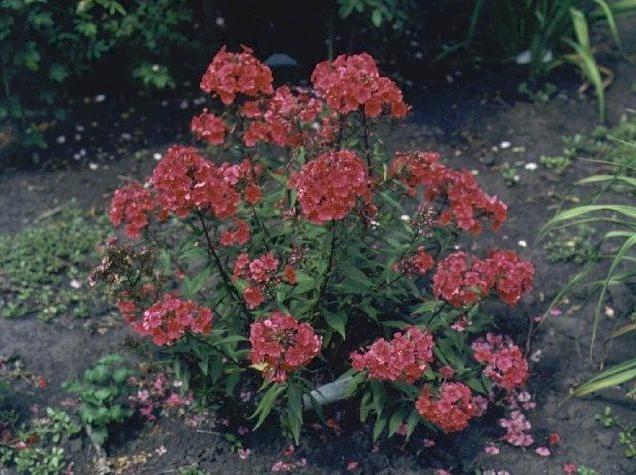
214, 257
328, 270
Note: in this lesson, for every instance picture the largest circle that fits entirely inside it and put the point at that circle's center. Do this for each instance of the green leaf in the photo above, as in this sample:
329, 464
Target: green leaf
336, 321
396, 421
266, 404
378, 427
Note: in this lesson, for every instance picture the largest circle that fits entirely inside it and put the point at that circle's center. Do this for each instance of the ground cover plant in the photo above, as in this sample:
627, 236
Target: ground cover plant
294, 251
43, 268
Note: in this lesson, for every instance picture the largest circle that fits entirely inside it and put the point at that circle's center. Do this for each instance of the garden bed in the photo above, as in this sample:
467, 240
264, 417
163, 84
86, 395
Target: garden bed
474, 126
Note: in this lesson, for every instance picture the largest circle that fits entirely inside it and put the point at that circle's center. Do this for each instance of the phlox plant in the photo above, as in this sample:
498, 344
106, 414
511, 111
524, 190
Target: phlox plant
293, 250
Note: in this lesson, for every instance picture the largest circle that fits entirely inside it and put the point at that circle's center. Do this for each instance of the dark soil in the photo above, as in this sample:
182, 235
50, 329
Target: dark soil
464, 121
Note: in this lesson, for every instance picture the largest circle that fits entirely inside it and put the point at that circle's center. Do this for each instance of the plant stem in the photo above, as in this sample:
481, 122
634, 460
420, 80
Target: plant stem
213, 347
367, 150
328, 270
214, 257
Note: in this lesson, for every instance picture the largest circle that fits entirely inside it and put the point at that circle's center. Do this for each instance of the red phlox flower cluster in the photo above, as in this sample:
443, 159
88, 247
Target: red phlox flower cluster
259, 273
283, 344
353, 82
406, 357
281, 119
209, 128
239, 234
329, 186
169, 319
243, 177
131, 206
458, 189
230, 74
462, 279
451, 410
514, 275
419, 263
184, 181
505, 364
517, 429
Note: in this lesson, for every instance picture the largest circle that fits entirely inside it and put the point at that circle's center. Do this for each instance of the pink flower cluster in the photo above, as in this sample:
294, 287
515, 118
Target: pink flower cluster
209, 128
259, 272
451, 410
457, 189
406, 357
131, 206
283, 344
505, 364
280, 119
517, 429
167, 320
184, 181
514, 276
239, 234
230, 74
353, 82
419, 263
329, 186
462, 279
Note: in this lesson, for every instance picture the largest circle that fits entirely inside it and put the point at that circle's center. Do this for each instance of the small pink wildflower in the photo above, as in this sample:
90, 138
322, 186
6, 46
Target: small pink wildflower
569, 468
244, 453
543, 451
491, 449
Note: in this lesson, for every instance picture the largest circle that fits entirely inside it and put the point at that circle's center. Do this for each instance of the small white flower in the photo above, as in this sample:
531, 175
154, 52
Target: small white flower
156, 156
505, 144
530, 166
405, 217
522, 243
76, 284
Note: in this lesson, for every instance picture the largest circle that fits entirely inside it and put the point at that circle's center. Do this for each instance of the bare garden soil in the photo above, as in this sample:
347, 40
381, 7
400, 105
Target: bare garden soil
463, 120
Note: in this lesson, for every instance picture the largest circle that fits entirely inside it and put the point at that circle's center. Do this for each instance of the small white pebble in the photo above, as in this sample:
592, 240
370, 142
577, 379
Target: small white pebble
495, 148
61, 139
505, 144
183, 104
156, 156
609, 312
155, 68
93, 166
100, 97
536, 356
405, 217
458, 153
220, 21
79, 128
164, 103
475, 172
126, 136
518, 149
530, 166
76, 284
522, 243
420, 55
198, 101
